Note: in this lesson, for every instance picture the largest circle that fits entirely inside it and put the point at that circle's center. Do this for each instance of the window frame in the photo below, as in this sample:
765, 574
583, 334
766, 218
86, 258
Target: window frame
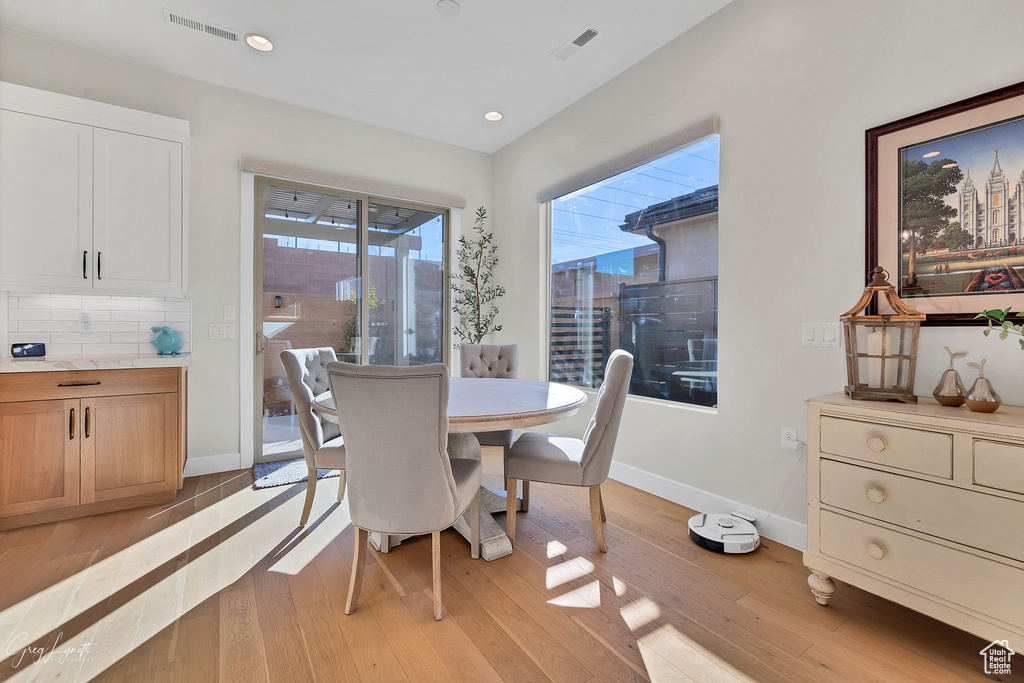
683, 139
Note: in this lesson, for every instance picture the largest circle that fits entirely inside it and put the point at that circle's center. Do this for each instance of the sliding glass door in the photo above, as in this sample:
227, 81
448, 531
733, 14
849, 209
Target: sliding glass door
315, 244
407, 285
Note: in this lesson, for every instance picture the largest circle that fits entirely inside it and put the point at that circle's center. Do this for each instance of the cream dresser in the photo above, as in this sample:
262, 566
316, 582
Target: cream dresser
922, 505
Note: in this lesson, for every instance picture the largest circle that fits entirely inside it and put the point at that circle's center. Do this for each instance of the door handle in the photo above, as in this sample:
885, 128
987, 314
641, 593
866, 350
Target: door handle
99, 265
71, 425
87, 422
85, 263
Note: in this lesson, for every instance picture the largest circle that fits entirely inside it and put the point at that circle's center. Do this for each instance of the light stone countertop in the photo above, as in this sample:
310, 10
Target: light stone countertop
115, 362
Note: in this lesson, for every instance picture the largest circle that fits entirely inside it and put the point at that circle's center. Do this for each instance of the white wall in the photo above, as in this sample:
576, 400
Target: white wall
227, 125
795, 84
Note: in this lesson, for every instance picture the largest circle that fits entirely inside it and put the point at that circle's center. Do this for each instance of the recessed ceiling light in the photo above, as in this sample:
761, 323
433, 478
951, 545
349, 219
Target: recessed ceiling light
258, 42
952, 165
932, 154
448, 8
493, 116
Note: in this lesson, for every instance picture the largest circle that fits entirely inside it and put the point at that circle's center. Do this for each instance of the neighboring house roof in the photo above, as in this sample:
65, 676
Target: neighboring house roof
684, 206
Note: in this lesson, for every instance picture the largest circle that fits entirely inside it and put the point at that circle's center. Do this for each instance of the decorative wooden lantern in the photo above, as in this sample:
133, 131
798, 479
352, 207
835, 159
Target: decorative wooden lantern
881, 350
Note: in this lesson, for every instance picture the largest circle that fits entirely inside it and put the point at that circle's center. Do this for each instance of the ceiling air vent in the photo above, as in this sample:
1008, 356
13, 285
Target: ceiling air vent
582, 37
202, 26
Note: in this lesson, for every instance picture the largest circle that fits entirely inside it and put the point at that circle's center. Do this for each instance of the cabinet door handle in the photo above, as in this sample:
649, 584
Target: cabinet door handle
79, 384
87, 422
99, 265
71, 425
85, 262
875, 494
876, 444
876, 551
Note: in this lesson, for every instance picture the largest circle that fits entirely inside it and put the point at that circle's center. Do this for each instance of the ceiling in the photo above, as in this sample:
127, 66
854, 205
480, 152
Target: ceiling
399, 64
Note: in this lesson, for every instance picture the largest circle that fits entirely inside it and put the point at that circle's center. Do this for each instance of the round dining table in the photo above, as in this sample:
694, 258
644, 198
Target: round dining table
487, 405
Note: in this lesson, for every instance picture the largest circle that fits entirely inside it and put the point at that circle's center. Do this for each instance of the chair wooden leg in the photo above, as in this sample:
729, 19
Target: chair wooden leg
474, 526
504, 466
526, 496
436, 553
358, 564
510, 509
595, 516
600, 499
341, 486
310, 492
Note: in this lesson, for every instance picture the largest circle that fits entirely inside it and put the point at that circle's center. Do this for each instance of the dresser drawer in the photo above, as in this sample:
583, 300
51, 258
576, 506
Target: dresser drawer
914, 450
976, 583
999, 465
979, 520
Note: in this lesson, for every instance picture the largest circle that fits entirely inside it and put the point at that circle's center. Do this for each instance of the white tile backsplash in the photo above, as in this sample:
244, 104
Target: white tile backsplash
121, 325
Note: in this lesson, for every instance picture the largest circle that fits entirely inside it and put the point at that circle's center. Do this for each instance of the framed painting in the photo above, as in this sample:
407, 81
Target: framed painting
945, 205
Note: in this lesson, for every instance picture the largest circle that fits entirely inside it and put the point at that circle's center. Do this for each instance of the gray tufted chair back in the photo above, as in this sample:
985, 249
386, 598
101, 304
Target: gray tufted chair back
490, 360
307, 377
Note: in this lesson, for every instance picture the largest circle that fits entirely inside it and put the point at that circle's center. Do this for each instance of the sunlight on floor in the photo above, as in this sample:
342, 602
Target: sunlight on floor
668, 653
567, 571
587, 596
555, 549
640, 613
85, 623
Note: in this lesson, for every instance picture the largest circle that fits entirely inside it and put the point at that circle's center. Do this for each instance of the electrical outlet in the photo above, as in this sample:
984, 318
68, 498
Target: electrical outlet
789, 440
85, 320
229, 312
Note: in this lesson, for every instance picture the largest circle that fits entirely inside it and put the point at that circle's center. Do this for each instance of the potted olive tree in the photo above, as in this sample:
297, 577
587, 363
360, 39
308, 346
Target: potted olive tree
474, 292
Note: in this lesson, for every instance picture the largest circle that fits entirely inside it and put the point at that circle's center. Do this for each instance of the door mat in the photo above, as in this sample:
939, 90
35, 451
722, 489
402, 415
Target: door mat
283, 472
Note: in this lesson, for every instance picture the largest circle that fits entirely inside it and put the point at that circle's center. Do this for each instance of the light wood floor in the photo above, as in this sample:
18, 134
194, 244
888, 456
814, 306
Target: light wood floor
222, 586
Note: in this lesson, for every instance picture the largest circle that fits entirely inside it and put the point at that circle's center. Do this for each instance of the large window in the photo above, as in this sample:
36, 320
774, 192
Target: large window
634, 265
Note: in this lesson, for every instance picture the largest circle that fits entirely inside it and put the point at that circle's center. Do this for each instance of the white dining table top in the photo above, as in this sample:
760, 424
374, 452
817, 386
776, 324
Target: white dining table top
485, 404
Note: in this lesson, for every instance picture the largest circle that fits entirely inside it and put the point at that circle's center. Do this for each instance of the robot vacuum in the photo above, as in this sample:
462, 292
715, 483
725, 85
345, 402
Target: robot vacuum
733, 533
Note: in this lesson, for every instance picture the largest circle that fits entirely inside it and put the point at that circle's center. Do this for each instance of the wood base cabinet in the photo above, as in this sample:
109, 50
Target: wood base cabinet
922, 505
88, 442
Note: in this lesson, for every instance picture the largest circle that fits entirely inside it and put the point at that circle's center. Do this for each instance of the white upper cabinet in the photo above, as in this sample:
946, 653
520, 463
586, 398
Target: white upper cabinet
93, 197
137, 230
45, 201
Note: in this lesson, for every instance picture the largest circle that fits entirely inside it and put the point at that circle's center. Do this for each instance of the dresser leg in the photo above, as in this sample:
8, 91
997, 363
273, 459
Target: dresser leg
822, 586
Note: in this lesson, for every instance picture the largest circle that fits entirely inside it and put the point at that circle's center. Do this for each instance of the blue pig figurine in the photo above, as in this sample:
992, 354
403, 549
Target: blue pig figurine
168, 342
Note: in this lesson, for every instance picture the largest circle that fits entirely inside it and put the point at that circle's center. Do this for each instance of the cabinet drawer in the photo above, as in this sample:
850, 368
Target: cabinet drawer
914, 450
974, 519
977, 583
42, 386
999, 465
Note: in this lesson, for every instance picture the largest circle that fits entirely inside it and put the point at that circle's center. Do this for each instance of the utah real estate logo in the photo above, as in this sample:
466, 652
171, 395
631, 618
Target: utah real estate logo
996, 656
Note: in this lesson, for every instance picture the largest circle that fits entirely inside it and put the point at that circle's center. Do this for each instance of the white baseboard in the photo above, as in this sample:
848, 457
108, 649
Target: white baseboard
785, 531
212, 464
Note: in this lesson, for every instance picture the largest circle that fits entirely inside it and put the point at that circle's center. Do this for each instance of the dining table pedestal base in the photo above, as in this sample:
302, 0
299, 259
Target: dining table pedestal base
493, 541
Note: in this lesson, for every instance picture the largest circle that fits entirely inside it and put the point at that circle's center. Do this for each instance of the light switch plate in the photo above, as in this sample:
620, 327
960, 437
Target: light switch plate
821, 334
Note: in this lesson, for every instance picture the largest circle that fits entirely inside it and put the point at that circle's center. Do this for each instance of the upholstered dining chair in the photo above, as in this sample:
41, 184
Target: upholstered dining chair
500, 361
575, 462
401, 478
322, 444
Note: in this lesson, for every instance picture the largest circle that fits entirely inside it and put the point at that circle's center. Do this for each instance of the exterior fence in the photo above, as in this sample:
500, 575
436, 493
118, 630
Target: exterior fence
580, 344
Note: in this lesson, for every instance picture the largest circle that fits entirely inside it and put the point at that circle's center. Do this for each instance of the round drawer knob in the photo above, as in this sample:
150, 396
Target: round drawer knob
876, 444
875, 494
876, 551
